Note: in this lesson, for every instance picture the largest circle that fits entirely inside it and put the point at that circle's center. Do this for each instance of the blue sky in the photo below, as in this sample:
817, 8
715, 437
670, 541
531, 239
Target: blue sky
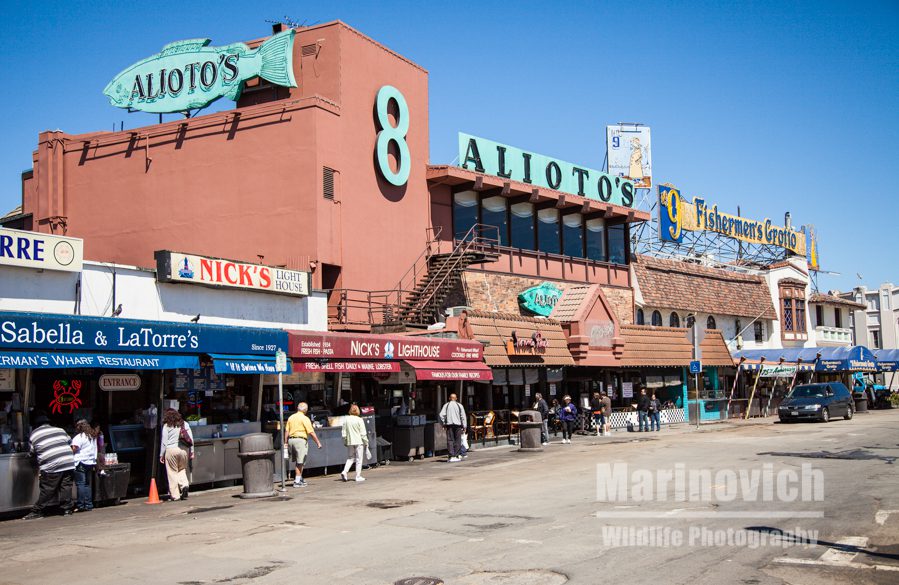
773, 106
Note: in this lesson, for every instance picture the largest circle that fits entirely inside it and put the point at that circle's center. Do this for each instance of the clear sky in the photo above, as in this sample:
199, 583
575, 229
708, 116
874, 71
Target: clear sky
773, 106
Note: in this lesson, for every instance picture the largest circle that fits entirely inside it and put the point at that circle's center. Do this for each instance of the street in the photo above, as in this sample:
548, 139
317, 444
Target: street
507, 517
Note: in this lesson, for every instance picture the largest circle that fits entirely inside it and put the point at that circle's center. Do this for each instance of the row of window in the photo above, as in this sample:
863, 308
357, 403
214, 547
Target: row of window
521, 225
710, 323
837, 316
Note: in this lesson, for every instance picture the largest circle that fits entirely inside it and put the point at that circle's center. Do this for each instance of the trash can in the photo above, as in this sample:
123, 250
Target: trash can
112, 485
530, 426
861, 403
258, 465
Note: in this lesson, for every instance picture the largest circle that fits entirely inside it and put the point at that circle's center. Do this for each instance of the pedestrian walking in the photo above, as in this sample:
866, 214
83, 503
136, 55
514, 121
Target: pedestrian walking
297, 432
607, 414
84, 447
176, 449
541, 407
599, 419
655, 413
355, 437
643, 411
56, 466
452, 417
568, 416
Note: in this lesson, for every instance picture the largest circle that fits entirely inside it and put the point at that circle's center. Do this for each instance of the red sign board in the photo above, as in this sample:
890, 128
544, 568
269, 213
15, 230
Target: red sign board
341, 366
306, 345
536, 344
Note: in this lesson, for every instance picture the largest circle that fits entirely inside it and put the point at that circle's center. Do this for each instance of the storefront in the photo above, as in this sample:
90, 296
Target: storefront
402, 380
119, 373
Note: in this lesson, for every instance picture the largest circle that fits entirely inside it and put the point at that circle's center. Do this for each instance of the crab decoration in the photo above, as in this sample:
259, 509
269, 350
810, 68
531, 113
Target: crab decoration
65, 394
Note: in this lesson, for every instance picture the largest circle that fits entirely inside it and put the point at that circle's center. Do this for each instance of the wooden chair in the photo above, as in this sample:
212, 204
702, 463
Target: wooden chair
481, 425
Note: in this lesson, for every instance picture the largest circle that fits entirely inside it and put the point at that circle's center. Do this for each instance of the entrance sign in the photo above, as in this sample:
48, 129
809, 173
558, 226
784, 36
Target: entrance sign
43, 251
629, 149
218, 272
119, 382
190, 74
676, 216
508, 162
540, 299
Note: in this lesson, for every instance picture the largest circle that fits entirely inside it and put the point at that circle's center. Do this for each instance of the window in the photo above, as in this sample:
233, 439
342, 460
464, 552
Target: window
819, 315
837, 317
617, 244
573, 235
522, 224
656, 319
596, 240
792, 308
710, 323
640, 319
758, 331
493, 212
548, 231
673, 320
691, 320
875, 339
465, 212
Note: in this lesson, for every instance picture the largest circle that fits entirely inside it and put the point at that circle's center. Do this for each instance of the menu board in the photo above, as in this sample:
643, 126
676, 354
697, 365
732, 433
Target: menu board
202, 380
627, 389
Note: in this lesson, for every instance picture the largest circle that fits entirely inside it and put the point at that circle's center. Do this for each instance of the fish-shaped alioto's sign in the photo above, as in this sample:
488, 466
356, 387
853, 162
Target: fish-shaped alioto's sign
540, 299
190, 74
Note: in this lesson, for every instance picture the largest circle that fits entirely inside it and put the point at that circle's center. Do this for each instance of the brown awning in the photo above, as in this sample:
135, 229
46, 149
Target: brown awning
495, 330
668, 346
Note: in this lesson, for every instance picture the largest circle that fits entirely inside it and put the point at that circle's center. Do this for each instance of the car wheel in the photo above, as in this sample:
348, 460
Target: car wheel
848, 413
825, 415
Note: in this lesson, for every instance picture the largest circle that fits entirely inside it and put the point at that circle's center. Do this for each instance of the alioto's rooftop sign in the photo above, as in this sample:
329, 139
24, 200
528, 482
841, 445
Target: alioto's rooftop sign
508, 162
676, 216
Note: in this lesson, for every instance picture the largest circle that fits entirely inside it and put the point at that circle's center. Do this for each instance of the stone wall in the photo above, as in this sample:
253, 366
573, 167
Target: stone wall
622, 302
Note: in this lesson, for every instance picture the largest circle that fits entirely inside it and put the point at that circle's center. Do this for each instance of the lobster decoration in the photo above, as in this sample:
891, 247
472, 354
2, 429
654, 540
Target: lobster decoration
65, 394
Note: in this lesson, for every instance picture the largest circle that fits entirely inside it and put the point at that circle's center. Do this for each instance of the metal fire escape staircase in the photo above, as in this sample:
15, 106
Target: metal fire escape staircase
418, 298
423, 305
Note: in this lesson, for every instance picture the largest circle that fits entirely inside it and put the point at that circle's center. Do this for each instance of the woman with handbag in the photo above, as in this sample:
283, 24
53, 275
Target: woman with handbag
355, 437
176, 449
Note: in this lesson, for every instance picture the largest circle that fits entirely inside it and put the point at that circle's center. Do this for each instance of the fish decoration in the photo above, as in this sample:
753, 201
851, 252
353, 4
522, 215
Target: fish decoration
190, 74
540, 299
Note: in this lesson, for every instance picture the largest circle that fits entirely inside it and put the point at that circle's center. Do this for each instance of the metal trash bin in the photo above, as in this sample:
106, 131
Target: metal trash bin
861, 403
112, 485
257, 458
530, 427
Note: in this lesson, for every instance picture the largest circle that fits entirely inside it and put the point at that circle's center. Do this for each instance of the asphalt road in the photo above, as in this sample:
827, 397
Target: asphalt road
503, 517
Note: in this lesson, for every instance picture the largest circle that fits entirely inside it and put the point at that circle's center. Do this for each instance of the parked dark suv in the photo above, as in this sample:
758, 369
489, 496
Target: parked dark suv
817, 401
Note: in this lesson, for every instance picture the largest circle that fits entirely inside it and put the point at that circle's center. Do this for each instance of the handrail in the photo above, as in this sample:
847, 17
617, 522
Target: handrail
473, 239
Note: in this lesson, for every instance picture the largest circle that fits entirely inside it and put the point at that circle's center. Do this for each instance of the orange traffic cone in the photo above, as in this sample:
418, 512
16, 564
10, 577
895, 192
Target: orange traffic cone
154, 493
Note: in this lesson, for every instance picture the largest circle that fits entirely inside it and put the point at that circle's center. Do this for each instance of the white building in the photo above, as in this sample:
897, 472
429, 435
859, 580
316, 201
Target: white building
876, 323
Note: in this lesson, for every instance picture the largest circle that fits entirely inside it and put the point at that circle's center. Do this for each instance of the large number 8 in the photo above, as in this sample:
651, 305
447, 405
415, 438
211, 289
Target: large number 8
396, 134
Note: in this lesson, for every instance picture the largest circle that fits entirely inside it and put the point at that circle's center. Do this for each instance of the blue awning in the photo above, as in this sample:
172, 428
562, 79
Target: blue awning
888, 360
41, 360
245, 364
857, 358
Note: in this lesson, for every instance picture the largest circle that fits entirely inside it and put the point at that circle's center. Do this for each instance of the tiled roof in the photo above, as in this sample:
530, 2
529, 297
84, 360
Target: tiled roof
568, 306
494, 329
14, 213
672, 284
669, 346
823, 298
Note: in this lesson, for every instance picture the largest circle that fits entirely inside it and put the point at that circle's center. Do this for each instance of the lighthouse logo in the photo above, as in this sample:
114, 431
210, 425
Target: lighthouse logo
185, 269
388, 350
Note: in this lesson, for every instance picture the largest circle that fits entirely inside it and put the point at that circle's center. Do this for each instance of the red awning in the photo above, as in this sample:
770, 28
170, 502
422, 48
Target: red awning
434, 370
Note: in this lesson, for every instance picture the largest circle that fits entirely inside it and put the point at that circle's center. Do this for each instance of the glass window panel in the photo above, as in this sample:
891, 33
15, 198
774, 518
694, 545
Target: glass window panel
640, 319
788, 314
465, 212
758, 332
573, 235
493, 212
674, 320
548, 231
710, 323
656, 319
596, 240
522, 223
617, 244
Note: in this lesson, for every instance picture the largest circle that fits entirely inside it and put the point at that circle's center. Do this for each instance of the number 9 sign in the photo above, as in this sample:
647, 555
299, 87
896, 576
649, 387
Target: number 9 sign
389, 133
670, 224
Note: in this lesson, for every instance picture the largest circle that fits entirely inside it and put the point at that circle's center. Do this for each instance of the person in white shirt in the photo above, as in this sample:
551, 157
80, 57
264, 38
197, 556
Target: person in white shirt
84, 447
175, 450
